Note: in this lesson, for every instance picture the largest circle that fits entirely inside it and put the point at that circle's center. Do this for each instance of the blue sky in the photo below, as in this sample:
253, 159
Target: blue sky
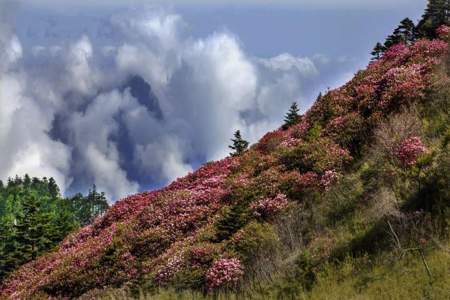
130, 95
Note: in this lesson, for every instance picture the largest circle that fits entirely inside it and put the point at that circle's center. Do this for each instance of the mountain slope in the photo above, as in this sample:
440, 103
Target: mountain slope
362, 175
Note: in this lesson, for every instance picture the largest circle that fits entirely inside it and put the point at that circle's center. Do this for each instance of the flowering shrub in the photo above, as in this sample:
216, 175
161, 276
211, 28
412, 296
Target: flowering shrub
317, 156
269, 206
290, 142
329, 178
299, 130
398, 52
225, 272
409, 150
406, 83
271, 140
443, 32
201, 255
166, 272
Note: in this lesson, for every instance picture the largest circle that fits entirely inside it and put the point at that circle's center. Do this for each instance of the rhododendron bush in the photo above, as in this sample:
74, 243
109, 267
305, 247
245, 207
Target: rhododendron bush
270, 206
154, 236
224, 272
409, 150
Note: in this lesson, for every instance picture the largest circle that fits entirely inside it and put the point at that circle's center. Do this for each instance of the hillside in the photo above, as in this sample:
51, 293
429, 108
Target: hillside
351, 200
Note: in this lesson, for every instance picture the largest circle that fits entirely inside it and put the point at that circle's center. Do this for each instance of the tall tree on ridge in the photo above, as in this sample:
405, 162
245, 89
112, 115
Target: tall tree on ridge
378, 51
239, 144
436, 14
292, 115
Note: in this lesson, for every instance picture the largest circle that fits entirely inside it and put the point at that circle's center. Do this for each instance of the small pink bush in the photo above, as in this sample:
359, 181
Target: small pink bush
224, 272
330, 177
443, 32
269, 206
408, 152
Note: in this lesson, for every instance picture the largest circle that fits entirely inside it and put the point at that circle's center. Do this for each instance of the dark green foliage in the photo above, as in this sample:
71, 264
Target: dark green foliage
239, 144
291, 117
33, 229
300, 277
88, 208
378, 51
256, 239
405, 33
232, 220
436, 14
34, 218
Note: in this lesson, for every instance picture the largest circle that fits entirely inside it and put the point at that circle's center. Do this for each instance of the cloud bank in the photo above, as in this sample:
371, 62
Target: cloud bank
139, 113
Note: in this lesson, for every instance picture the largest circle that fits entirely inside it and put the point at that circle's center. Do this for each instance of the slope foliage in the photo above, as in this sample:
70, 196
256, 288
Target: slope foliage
359, 179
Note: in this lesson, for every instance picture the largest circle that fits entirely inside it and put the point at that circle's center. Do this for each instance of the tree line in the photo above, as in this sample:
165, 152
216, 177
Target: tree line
436, 14
34, 218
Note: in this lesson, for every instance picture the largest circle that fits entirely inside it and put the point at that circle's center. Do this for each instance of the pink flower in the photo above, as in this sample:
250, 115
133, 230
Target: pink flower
409, 150
443, 32
330, 177
269, 206
224, 272
166, 272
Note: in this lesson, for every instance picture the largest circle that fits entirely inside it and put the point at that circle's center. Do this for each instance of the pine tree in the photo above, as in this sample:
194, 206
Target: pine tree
404, 33
436, 14
7, 247
291, 117
32, 229
378, 51
239, 144
53, 188
407, 31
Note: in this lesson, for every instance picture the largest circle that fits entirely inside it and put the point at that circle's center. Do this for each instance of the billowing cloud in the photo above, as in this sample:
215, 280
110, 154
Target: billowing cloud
141, 112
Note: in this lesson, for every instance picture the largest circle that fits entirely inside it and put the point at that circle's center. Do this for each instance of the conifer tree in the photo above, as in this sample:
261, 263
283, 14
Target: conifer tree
378, 51
291, 117
7, 247
32, 229
436, 14
407, 31
53, 188
239, 144
404, 33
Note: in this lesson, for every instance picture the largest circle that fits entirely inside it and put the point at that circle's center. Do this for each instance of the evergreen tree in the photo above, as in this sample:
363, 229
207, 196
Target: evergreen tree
404, 33
291, 117
239, 144
86, 209
7, 247
34, 218
53, 188
32, 229
378, 51
436, 14
233, 219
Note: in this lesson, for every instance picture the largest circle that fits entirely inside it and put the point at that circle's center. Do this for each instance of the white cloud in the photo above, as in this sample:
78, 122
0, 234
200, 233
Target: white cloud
74, 119
26, 147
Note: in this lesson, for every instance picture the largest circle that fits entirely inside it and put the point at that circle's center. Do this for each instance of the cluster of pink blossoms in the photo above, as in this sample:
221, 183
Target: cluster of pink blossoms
166, 272
269, 206
290, 142
330, 177
405, 82
443, 31
409, 150
299, 131
224, 272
